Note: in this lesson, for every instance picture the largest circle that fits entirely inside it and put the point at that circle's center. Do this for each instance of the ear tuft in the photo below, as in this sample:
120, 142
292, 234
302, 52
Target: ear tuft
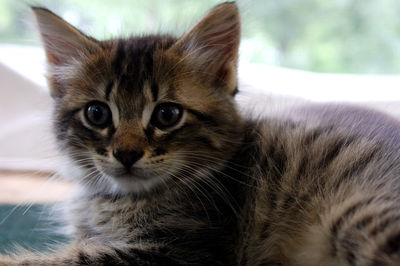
61, 40
212, 45
64, 45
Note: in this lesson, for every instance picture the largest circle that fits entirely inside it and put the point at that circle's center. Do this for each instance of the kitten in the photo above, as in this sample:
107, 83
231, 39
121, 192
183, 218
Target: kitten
172, 174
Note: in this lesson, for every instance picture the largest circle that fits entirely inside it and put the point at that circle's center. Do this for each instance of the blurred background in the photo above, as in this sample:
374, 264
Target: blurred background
335, 36
313, 50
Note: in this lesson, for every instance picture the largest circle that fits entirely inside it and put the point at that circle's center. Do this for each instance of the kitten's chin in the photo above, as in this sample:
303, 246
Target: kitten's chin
139, 186
136, 181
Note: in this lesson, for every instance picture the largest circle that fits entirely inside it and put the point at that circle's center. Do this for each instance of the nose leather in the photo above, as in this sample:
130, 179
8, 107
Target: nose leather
127, 157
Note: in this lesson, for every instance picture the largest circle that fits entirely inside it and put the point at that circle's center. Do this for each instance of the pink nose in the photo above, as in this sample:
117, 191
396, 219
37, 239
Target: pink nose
127, 158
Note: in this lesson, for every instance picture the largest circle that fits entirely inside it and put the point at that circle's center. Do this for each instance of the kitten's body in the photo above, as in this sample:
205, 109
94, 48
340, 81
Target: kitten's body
304, 188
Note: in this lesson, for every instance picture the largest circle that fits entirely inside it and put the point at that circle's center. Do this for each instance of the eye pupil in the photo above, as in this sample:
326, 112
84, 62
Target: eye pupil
98, 114
166, 115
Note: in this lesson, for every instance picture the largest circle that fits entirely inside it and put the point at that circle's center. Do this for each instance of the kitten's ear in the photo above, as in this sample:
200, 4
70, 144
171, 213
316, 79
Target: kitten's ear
61, 40
63, 43
212, 45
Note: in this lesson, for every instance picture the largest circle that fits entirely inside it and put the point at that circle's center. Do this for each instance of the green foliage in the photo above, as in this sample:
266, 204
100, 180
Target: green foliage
361, 36
353, 36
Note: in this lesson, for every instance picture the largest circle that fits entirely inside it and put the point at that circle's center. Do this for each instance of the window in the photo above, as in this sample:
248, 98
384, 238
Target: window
339, 36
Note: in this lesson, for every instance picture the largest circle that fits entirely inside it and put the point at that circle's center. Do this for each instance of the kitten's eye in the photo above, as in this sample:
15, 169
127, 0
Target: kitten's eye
98, 114
166, 115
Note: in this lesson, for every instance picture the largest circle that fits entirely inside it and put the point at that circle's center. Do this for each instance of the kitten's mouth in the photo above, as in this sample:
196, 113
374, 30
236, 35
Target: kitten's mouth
132, 173
135, 180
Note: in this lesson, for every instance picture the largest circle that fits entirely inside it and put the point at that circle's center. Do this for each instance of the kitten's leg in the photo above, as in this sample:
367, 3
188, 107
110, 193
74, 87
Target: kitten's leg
87, 253
361, 230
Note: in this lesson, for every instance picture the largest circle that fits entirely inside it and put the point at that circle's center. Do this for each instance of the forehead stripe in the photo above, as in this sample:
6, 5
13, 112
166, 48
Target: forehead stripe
119, 58
109, 89
154, 91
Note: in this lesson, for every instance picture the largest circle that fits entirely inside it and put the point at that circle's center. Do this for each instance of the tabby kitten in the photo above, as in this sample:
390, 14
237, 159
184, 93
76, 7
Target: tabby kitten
171, 173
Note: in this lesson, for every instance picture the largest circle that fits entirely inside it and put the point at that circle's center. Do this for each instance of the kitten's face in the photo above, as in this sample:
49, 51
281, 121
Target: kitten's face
142, 113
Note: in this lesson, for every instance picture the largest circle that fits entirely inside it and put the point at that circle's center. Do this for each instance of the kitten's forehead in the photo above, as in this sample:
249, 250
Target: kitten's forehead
133, 69
133, 60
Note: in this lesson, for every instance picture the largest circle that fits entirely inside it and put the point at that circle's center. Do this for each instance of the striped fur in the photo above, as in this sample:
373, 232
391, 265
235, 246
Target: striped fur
215, 188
